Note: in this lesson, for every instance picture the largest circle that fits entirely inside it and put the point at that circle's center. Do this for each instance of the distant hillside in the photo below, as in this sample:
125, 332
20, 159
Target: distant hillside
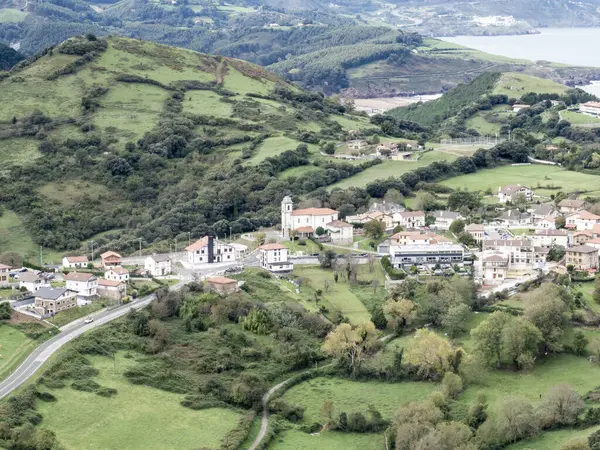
153, 142
8, 57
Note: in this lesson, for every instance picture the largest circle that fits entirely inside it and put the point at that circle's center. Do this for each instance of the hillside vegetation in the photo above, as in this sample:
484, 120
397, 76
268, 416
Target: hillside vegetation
102, 134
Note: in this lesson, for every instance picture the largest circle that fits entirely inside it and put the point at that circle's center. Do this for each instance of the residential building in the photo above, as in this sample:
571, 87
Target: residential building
274, 258
514, 217
594, 243
31, 281
117, 274
158, 265
241, 250
209, 250
386, 147
222, 285
550, 237
341, 233
519, 106
443, 219
110, 259
596, 230
357, 144
85, 284
569, 206
410, 220
543, 211
582, 220
590, 108
49, 301
507, 193
4, 274
581, 237
583, 258
113, 289
546, 223
304, 221
386, 219
494, 268
430, 255
522, 254
385, 207
75, 262
418, 238
477, 231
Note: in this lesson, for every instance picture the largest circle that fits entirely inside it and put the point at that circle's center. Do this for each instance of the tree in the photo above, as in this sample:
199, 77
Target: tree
521, 341
378, 318
320, 231
467, 239
326, 259
576, 444
393, 196
594, 440
12, 259
519, 200
560, 222
402, 312
596, 287
351, 345
556, 253
561, 406
516, 419
488, 337
452, 385
458, 200
457, 226
430, 354
374, 229
329, 148
455, 321
546, 310
580, 342
425, 201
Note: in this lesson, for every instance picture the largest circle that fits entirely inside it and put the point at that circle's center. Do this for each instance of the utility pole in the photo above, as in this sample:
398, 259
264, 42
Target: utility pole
175, 245
41, 255
92, 260
230, 240
140, 241
189, 238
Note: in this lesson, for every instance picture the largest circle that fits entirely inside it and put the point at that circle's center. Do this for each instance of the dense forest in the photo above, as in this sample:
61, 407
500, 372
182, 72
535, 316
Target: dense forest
8, 57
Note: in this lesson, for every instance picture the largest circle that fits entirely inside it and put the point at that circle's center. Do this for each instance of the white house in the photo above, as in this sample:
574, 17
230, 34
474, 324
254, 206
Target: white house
209, 250
494, 268
443, 219
569, 206
514, 217
546, 223
418, 238
590, 108
341, 233
117, 274
31, 281
386, 219
4, 273
507, 193
304, 221
75, 262
158, 265
543, 211
550, 237
274, 258
477, 231
582, 220
519, 106
410, 219
85, 284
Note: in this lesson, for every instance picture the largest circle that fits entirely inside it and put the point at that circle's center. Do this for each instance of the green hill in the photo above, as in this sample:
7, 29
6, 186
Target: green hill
155, 142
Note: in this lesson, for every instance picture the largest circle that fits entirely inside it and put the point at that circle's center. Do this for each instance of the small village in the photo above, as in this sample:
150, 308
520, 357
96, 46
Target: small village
521, 244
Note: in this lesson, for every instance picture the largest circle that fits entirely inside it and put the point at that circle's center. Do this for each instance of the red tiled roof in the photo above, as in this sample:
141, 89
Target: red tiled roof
587, 215
305, 230
339, 224
198, 244
3, 266
119, 270
109, 254
79, 276
77, 259
412, 213
221, 280
110, 283
314, 212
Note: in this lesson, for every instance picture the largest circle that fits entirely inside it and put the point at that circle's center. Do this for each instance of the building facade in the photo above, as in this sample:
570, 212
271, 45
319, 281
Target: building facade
507, 193
110, 259
341, 233
429, 255
209, 250
495, 269
115, 290
583, 257
49, 301
274, 258
548, 238
4, 273
443, 219
85, 284
410, 220
75, 262
158, 265
222, 285
117, 274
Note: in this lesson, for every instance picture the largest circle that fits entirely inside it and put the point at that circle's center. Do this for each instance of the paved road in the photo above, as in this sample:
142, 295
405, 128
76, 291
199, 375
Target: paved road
41, 354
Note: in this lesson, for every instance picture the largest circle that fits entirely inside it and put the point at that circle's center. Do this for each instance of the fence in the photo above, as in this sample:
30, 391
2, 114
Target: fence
474, 140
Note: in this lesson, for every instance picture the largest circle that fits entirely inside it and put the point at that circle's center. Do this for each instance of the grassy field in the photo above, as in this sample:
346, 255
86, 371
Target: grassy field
131, 419
18, 151
552, 440
13, 237
580, 119
12, 15
351, 300
14, 347
308, 249
298, 171
69, 315
391, 169
206, 103
531, 175
329, 440
517, 84
273, 146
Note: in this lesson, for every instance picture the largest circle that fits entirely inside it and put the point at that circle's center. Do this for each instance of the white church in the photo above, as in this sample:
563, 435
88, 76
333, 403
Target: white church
305, 222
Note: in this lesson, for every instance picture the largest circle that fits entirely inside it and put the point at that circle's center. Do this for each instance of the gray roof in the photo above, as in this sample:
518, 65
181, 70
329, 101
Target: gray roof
28, 277
160, 258
583, 249
544, 210
49, 293
514, 214
446, 215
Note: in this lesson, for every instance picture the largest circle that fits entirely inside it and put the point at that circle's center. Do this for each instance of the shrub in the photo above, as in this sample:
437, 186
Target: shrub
293, 413
85, 385
46, 396
106, 391
452, 385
